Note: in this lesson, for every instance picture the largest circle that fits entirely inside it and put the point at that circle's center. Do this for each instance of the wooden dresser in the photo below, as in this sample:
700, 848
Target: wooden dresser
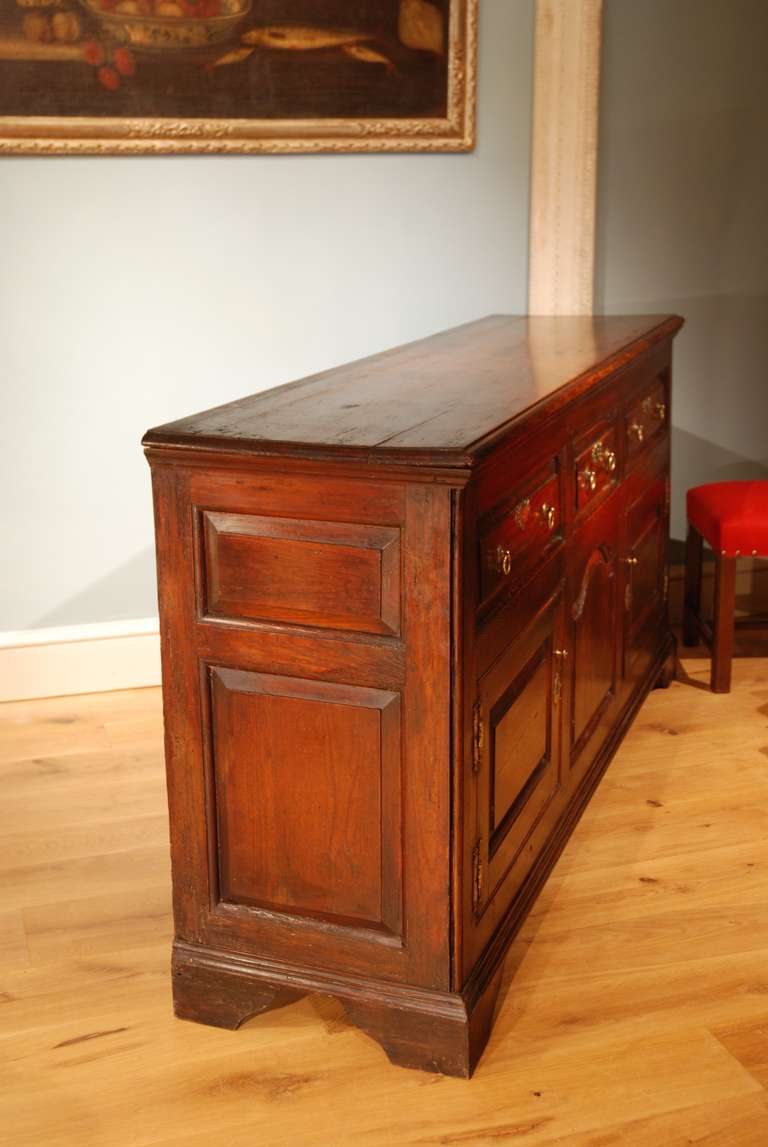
409, 607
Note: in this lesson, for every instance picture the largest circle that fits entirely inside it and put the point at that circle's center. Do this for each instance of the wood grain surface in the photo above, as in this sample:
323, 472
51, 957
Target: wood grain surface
638, 1012
439, 400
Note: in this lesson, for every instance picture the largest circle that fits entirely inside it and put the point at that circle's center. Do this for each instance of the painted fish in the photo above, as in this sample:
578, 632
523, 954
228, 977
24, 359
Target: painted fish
367, 55
290, 38
233, 57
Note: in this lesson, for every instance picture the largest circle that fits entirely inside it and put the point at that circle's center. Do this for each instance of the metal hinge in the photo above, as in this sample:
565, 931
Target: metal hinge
478, 737
666, 583
477, 878
667, 494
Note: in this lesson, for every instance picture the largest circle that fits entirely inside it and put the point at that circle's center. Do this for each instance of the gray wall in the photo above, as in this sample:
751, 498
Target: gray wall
137, 290
683, 216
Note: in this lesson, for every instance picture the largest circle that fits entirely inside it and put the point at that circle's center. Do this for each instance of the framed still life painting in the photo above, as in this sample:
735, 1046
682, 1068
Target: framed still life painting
116, 76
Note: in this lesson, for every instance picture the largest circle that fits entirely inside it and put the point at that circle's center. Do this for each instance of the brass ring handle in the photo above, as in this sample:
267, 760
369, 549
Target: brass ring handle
588, 479
637, 431
503, 561
548, 515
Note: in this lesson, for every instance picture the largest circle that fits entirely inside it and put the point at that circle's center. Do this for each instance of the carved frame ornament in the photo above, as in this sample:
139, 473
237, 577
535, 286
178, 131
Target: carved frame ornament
41, 135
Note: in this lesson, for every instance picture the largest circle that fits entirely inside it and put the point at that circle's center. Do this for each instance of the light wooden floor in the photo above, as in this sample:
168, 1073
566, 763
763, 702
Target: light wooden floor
638, 1012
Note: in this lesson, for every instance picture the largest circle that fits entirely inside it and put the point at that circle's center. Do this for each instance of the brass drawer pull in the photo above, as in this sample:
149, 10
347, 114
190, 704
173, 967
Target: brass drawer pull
658, 409
521, 513
548, 515
504, 561
636, 431
631, 561
602, 456
588, 479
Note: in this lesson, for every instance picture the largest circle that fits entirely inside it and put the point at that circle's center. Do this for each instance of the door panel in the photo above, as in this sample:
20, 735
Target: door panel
644, 579
594, 637
518, 744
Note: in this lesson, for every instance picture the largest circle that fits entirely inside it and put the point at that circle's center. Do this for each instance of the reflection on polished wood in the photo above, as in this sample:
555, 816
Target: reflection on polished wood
637, 1014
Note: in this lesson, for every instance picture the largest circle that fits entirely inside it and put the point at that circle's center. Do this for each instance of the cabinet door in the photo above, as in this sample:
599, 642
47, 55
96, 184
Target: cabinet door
594, 634
517, 739
645, 576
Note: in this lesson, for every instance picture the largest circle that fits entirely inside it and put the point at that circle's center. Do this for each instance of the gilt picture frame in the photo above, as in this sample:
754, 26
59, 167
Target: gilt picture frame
105, 77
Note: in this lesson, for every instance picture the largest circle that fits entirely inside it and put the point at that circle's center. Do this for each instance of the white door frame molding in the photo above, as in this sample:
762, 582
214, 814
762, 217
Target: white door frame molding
566, 81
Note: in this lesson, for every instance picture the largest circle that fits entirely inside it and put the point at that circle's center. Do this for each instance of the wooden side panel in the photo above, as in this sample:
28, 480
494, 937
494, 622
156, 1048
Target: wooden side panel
329, 574
309, 767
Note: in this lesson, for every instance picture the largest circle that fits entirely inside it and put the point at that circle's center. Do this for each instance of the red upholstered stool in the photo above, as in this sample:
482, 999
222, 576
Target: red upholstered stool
733, 518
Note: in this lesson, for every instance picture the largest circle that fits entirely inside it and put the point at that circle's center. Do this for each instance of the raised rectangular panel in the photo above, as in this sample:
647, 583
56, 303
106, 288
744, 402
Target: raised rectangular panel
647, 530
334, 575
517, 751
521, 740
595, 635
594, 646
306, 776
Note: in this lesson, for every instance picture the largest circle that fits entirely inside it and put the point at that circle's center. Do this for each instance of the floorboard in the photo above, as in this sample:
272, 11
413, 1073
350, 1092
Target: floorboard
634, 1009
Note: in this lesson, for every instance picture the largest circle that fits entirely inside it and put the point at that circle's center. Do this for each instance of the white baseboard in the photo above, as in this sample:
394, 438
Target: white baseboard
79, 659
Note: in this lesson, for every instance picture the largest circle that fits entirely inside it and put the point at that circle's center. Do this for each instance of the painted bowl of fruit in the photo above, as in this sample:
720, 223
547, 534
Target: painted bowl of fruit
169, 25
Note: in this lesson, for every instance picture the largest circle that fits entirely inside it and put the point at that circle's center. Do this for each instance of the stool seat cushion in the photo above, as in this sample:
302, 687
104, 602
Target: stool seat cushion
731, 516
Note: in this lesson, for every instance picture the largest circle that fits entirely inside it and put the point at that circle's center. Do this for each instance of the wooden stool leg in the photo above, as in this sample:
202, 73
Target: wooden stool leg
723, 624
692, 605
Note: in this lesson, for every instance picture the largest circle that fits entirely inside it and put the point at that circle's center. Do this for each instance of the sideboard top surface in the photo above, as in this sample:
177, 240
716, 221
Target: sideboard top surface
440, 401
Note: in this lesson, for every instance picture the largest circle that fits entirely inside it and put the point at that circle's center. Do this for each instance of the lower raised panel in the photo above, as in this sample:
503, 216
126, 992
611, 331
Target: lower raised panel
306, 780
644, 595
594, 642
518, 748
594, 617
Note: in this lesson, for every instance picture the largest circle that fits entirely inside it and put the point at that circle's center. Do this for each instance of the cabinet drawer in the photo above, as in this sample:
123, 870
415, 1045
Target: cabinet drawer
646, 419
596, 466
519, 533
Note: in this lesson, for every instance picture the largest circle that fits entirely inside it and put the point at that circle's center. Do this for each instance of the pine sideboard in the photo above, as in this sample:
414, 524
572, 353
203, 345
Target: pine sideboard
409, 608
